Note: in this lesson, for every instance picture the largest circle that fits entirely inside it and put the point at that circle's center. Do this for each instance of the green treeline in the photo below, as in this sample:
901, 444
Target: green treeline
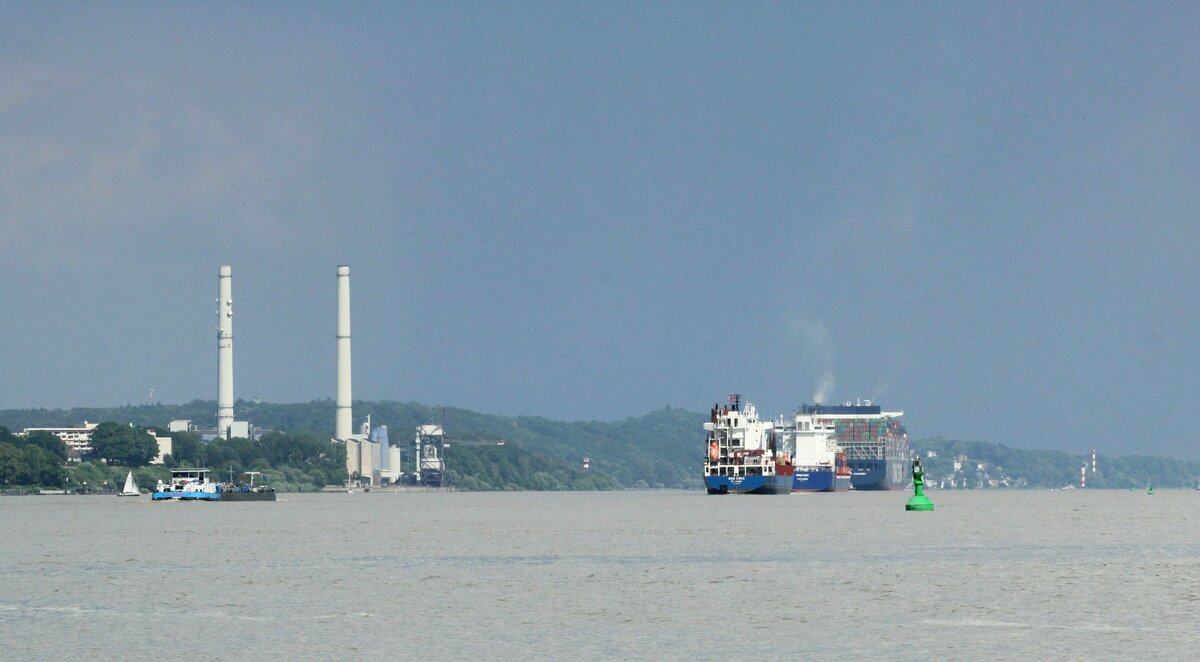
662, 449
1015, 467
505, 468
34, 460
291, 461
659, 450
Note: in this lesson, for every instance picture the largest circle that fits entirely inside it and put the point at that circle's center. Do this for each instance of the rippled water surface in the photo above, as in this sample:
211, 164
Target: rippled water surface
988, 575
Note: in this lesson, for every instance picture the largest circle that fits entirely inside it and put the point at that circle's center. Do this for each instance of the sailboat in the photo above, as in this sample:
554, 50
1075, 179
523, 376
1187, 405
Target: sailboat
130, 488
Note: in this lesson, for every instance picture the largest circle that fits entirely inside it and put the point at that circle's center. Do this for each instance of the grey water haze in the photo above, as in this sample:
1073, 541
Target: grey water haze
983, 214
643, 575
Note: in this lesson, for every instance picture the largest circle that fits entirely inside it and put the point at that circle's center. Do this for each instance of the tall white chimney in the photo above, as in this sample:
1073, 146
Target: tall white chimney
344, 416
224, 350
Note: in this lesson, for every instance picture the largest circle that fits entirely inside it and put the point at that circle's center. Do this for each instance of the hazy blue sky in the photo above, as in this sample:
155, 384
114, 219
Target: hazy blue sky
983, 214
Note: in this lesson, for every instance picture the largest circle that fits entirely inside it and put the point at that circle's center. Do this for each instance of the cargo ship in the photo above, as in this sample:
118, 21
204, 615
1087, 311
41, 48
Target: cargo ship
819, 463
189, 484
874, 441
744, 453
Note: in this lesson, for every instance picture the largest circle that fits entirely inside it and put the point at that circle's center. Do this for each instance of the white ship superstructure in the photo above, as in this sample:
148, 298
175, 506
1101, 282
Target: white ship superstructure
813, 442
743, 453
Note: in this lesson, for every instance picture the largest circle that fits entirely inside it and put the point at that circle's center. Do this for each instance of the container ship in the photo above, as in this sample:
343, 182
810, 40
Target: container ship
744, 453
819, 463
874, 441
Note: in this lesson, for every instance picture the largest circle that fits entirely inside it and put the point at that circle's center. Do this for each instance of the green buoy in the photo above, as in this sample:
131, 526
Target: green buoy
918, 501
1150, 490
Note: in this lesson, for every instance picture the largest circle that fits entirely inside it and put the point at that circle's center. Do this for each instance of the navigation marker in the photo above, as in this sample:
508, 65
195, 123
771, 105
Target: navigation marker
918, 501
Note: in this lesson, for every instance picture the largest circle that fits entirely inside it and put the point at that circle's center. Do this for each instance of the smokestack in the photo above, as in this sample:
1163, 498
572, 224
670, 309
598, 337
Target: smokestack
344, 415
224, 349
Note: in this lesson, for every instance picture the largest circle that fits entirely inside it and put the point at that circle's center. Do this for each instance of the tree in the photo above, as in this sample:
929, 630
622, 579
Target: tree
29, 465
13, 470
43, 467
239, 453
49, 442
185, 449
125, 445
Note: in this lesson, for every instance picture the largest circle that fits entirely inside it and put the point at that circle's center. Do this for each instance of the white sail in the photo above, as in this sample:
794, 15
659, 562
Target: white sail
131, 488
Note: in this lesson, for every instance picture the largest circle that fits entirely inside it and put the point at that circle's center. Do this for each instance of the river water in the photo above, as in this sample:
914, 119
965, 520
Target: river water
988, 575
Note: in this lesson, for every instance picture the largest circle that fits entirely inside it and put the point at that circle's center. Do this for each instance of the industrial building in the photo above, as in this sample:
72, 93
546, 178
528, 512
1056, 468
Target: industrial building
369, 460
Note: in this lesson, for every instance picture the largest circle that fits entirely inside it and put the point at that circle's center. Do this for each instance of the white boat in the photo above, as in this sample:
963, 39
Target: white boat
131, 488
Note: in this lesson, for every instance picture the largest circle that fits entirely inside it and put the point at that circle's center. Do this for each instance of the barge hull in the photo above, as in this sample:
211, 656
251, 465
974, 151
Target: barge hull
185, 496
247, 496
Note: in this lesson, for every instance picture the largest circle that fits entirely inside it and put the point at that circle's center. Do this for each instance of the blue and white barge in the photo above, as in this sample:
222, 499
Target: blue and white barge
187, 485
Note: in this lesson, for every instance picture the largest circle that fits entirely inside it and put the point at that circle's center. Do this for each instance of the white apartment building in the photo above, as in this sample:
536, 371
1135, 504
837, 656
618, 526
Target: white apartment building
78, 440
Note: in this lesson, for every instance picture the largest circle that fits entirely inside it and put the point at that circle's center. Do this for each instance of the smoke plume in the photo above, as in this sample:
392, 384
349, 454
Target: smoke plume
819, 354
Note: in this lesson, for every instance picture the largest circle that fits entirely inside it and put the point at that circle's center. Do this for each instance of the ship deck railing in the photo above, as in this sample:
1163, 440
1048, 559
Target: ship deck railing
733, 470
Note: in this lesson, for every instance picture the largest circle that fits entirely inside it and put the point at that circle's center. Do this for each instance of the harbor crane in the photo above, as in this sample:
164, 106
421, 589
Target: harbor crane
429, 449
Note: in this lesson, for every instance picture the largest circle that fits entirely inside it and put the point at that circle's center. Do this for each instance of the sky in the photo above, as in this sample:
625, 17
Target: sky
983, 214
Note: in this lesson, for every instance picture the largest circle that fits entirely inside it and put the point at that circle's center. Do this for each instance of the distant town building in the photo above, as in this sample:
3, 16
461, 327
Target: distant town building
164, 448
